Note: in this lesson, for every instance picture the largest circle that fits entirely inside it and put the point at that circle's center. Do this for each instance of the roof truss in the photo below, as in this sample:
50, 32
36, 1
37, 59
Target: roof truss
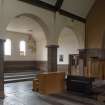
54, 8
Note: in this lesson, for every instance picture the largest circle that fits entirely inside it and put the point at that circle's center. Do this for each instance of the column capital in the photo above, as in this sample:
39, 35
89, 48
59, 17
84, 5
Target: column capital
52, 46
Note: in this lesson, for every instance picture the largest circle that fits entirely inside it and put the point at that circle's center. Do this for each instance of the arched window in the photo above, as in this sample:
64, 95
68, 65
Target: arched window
22, 47
7, 47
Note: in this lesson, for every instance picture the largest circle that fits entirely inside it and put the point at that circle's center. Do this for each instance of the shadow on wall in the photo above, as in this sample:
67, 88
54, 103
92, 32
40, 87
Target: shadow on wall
68, 44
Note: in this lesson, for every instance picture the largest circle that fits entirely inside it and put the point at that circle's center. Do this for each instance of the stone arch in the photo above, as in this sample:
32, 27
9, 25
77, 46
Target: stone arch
41, 53
71, 28
68, 44
37, 19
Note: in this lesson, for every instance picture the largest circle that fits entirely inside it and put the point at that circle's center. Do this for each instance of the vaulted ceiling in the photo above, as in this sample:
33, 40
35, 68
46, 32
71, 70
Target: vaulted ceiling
77, 9
26, 25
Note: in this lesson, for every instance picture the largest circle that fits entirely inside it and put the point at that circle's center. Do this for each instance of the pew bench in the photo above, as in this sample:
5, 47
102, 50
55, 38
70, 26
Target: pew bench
79, 84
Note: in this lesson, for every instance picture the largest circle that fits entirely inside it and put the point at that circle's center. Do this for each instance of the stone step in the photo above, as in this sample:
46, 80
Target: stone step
18, 80
17, 77
19, 73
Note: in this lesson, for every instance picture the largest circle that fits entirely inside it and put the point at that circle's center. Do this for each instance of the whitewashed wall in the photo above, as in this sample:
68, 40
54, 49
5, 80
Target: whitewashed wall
11, 8
40, 53
68, 44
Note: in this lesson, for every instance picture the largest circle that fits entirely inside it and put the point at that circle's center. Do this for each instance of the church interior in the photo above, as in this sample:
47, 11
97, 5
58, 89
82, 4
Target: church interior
52, 52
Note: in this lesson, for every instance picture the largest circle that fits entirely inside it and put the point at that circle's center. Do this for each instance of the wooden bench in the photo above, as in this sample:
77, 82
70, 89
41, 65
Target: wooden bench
79, 84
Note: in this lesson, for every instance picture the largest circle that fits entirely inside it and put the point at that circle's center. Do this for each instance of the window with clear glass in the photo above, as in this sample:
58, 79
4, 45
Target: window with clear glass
22, 47
7, 47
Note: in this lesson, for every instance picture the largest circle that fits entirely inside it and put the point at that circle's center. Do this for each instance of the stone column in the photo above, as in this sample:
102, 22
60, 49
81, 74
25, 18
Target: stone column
52, 58
70, 64
1, 68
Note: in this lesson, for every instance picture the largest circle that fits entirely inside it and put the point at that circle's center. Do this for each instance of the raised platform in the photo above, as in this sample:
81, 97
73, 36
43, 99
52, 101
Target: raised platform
21, 76
101, 98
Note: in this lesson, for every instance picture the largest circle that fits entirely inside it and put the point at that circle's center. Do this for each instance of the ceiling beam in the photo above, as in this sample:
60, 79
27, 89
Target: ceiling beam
73, 16
58, 4
55, 8
41, 4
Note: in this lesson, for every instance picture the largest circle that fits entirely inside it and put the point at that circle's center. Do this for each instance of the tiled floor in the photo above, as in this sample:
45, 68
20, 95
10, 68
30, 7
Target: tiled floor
21, 93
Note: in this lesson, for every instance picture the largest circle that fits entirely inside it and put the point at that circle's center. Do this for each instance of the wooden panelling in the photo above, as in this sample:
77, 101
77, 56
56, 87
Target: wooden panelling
22, 66
96, 68
92, 53
41, 65
63, 68
95, 25
95, 62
